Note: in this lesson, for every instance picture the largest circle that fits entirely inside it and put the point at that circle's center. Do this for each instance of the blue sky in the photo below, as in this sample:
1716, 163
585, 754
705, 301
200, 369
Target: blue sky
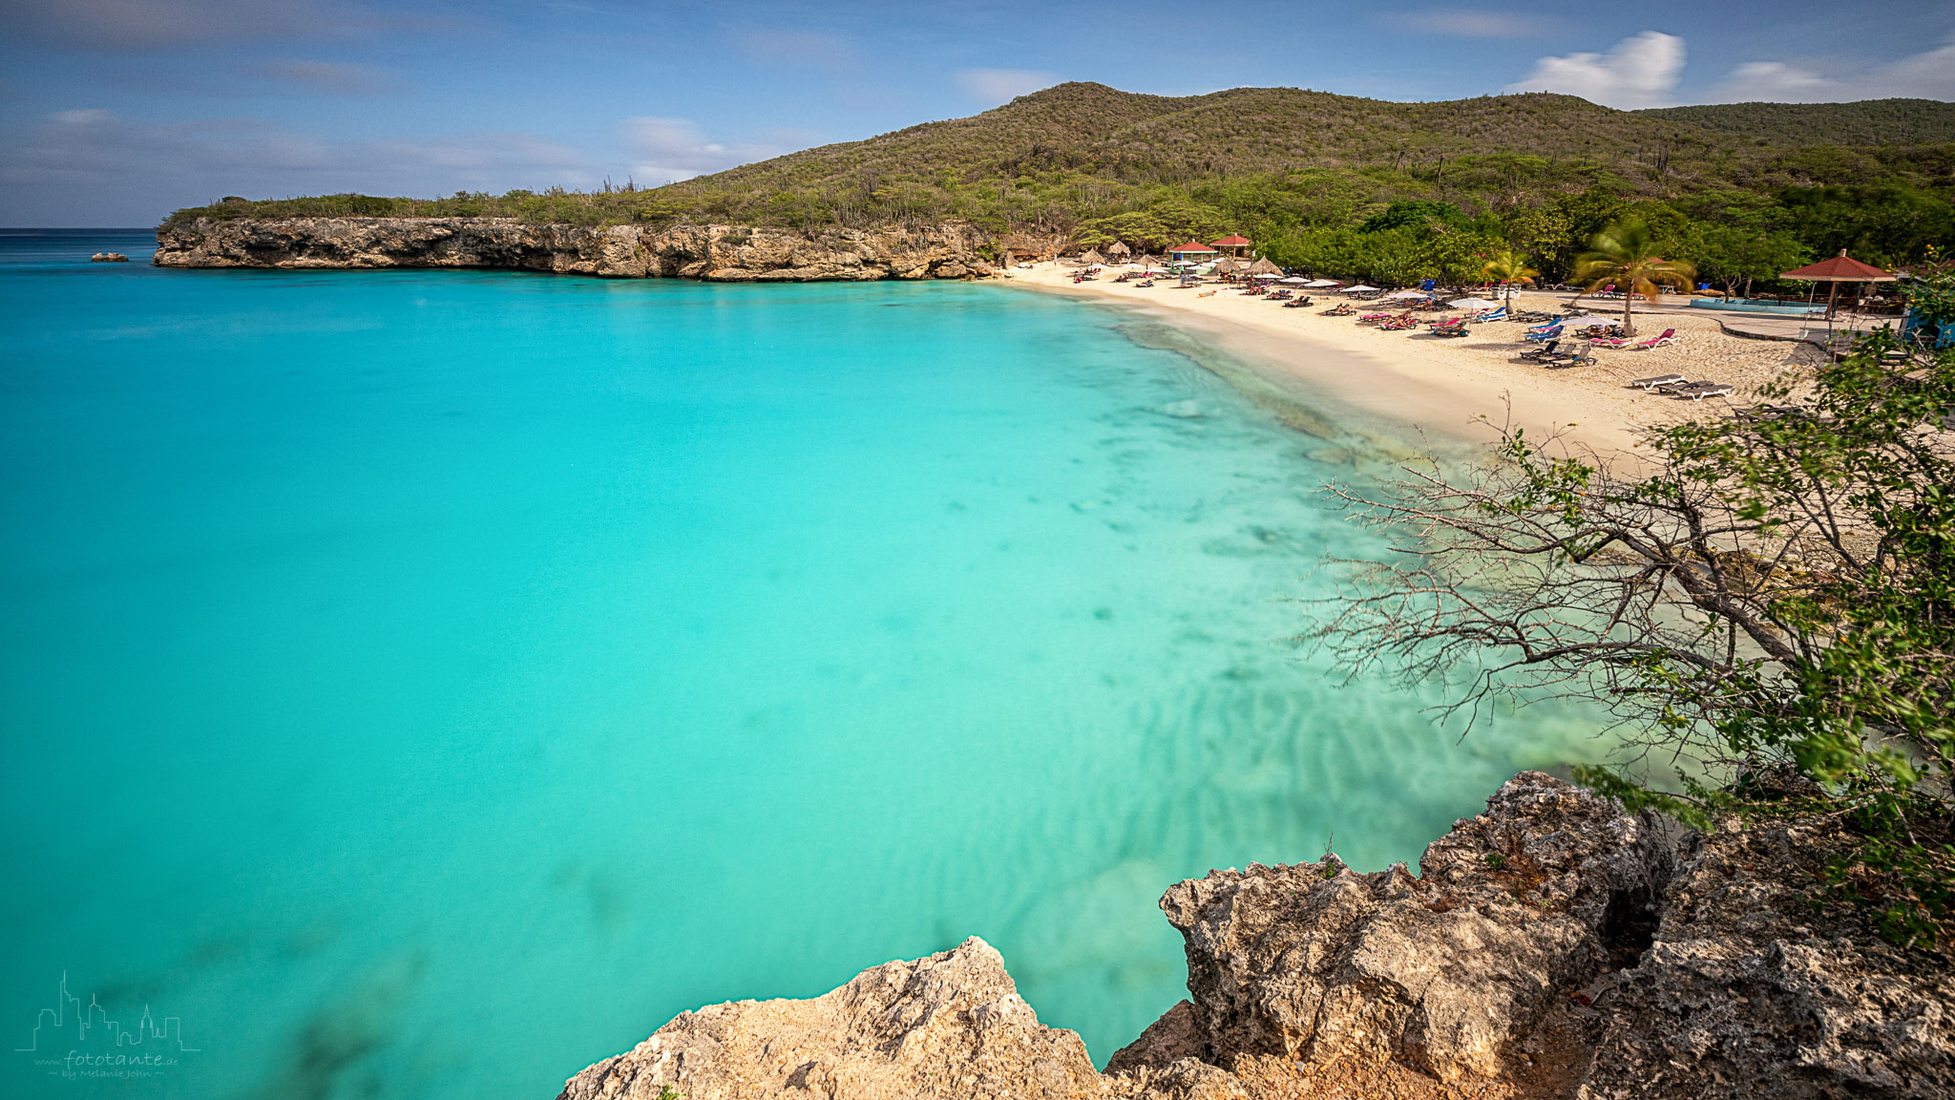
114, 112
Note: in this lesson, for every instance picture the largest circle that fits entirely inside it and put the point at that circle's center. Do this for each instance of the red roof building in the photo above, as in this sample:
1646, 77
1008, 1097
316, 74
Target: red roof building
1233, 244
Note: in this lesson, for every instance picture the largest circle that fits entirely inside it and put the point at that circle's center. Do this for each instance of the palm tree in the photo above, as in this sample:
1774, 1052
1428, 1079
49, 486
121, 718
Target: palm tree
1510, 267
1625, 254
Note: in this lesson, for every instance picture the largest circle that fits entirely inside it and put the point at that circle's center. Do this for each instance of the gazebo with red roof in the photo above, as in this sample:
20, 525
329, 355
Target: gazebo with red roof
1840, 269
1189, 253
1233, 244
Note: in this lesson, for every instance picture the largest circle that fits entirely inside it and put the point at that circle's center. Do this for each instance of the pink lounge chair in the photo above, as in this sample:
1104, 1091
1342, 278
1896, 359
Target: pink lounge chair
1668, 336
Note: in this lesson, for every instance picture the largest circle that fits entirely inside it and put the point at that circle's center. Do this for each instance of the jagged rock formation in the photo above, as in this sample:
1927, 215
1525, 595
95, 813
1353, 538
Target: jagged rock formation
714, 252
1444, 972
948, 1026
1553, 946
1750, 987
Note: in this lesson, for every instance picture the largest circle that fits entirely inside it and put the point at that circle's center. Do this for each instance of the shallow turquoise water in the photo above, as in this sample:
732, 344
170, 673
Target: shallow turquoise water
424, 684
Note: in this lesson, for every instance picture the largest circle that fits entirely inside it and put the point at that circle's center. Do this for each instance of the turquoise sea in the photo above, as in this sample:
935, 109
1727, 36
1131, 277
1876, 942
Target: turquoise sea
423, 684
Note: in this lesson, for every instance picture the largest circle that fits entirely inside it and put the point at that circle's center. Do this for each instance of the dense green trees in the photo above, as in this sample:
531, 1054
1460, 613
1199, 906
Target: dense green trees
1359, 188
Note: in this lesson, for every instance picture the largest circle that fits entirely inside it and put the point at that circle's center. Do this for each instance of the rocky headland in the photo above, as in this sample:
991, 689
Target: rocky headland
1553, 946
712, 252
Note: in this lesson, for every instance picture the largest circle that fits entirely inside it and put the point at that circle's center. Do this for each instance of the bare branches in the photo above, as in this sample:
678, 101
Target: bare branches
1705, 602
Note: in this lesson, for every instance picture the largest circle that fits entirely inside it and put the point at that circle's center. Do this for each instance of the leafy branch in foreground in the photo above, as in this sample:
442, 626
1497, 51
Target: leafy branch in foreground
1767, 608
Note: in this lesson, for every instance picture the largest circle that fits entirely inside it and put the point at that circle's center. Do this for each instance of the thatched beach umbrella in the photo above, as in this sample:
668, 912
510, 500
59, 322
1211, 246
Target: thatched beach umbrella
1840, 269
1226, 267
1264, 267
1119, 248
1092, 257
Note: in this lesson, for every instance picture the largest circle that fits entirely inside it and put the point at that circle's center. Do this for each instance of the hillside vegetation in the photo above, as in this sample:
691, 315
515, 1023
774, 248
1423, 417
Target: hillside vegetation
1867, 122
1315, 177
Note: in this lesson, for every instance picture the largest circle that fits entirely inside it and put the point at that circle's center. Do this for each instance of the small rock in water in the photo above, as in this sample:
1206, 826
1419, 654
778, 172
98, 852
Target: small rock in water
1185, 410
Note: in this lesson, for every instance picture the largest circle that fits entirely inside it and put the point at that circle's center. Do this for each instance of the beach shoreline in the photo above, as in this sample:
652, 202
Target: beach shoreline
1458, 390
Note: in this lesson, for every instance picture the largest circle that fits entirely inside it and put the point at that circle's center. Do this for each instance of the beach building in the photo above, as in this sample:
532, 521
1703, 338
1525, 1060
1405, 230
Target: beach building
1234, 245
1192, 252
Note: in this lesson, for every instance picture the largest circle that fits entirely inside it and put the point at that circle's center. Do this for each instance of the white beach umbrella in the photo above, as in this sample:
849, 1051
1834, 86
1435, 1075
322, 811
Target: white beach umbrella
1295, 280
1472, 303
1315, 283
1359, 289
1399, 295
1587, 320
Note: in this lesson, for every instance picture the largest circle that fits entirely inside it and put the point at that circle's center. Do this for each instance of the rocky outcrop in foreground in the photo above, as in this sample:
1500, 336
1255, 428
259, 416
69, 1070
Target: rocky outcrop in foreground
714, 252
1553, 946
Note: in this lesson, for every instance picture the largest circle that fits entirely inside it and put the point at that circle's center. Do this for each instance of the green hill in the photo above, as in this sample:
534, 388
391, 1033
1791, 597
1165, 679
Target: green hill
1537, 171
1868, 122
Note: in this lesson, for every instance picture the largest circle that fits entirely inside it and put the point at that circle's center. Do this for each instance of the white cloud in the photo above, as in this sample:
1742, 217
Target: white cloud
1929, 74
81, 159
1473, 24
163, 24
665, 150
1777, 82
789, 47
82, 116
1926, 75
1639, 71
995, 86
335, 77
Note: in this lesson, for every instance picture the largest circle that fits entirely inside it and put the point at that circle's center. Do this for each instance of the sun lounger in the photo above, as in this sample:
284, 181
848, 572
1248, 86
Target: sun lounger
1668, 336
1697, 391
1656, 380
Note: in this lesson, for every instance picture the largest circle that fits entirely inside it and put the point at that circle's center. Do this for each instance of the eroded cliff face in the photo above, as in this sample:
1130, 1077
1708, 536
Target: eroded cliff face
1550, 947
714, 252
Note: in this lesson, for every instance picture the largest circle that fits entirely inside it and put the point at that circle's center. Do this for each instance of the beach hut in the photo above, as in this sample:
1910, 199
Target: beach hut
1264, 267
1840, 269
1233, 245
1192, 251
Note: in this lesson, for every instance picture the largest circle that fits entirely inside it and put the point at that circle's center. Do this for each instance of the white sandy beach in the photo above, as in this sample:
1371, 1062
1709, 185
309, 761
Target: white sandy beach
1443, 386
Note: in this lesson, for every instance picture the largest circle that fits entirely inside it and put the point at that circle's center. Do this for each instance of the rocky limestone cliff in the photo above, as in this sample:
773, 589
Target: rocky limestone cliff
1553, 946
714, 252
